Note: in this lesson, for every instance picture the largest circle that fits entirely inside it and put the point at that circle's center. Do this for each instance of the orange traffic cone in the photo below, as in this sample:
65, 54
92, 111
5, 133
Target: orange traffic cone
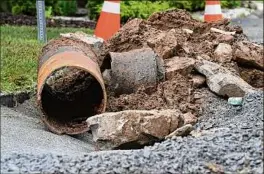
212, 11
109, 20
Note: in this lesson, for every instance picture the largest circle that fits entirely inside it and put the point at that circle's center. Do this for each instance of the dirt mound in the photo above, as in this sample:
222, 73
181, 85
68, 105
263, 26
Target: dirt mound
140, 31
175, 33
10, 19
177, 93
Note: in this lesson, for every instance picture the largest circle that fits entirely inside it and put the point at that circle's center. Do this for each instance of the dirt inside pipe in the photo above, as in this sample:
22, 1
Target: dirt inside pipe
69, 96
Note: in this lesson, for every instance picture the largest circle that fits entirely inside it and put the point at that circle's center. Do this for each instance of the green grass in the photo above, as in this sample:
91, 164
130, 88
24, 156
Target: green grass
19, 55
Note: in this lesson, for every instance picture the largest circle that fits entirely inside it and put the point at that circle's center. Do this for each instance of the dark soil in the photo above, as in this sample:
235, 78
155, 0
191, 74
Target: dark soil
8, 18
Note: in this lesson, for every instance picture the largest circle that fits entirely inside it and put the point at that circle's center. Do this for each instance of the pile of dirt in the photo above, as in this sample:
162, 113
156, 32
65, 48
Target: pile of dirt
170, 27
177, 93
176, 33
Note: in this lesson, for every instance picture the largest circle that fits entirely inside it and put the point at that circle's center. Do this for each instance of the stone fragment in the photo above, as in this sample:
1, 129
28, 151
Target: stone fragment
249, 54
187, 31
198, 81
236, 101
95, 42
182, 65
165, 44
132, 127
188, 118
222, 81
223, 53
107, 76
225, 38
182, 131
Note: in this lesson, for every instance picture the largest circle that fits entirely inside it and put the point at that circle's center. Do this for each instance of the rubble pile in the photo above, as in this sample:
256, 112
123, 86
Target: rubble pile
196, 56
155, 72
179, 40
175, 33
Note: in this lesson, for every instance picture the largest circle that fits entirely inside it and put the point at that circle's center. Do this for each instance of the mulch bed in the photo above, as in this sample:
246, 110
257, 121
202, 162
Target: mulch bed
8, 18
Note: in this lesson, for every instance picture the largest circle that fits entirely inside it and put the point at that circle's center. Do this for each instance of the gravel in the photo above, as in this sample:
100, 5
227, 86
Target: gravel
227, 139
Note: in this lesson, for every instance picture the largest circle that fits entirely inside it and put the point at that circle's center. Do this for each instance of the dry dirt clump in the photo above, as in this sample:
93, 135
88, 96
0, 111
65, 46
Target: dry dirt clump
174, 94
137, 32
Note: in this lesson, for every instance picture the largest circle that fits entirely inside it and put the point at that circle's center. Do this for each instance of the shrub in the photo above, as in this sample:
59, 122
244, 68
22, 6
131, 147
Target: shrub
189, 5
129, 9
230, 4
52, 7
143, 9
94, 8
65, 8
27, 7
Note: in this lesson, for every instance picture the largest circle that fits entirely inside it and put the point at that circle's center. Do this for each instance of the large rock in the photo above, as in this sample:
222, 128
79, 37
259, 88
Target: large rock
249, 54
165, 44
222, 81
223, 53
175, 65
132, 128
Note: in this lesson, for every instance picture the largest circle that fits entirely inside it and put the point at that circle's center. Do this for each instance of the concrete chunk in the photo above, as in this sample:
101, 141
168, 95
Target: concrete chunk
223, 53
222, 81
132, 127
182, 65
249, 54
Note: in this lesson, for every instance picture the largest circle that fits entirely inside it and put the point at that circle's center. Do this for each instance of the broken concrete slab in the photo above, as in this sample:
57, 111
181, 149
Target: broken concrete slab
249, 54
182, 65
222, 81
94, 41
130, 128
223, 53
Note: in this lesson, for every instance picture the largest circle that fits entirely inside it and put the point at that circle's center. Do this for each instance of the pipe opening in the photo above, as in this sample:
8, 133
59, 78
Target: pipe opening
71, 95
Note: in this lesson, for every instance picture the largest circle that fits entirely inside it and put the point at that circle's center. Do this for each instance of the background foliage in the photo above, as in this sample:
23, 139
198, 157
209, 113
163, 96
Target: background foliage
28, 7
143, 9
129, 8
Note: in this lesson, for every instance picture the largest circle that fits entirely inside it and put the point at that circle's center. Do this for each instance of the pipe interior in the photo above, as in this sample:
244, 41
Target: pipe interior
71, 95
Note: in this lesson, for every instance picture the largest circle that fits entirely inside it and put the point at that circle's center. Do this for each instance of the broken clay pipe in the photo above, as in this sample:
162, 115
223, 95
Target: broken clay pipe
70, 88
129, 70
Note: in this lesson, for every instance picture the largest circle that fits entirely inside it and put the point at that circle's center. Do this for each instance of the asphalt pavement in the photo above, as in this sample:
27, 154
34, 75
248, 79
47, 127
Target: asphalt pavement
252, 26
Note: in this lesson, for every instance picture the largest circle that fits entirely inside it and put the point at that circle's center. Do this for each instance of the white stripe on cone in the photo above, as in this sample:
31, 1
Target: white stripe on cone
111, 7
213, 9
